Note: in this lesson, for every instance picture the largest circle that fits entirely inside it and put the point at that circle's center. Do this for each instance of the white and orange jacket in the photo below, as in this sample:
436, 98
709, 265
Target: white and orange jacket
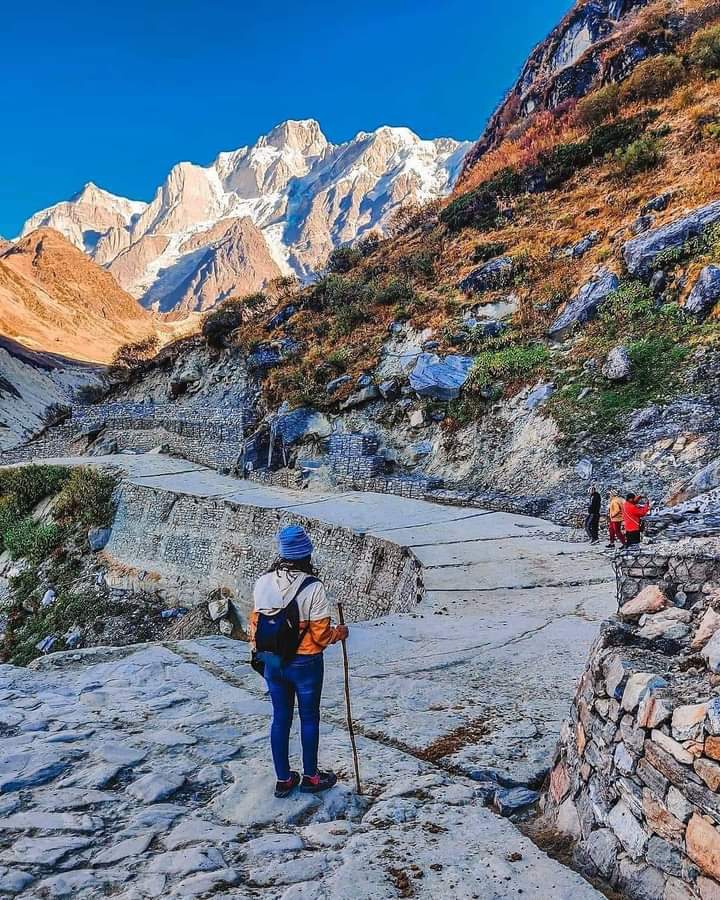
275, 590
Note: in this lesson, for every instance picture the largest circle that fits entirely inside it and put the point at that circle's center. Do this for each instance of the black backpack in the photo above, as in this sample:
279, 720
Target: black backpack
280, 633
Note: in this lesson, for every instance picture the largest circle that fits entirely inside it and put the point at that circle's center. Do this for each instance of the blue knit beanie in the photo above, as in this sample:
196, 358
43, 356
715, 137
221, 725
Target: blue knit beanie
294, 543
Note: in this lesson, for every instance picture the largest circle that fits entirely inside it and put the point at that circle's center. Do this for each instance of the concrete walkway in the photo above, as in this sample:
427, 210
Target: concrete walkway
483, 673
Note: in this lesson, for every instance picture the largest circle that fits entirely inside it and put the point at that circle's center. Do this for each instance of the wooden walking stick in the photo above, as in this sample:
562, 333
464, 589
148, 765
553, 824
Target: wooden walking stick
346, 666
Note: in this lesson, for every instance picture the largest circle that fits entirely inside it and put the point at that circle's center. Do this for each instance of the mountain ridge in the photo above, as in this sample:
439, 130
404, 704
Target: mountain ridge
303, 195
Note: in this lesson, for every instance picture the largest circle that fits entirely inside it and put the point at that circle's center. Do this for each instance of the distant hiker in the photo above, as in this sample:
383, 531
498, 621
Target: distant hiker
289, 628
615, 520
634, 511
592, 520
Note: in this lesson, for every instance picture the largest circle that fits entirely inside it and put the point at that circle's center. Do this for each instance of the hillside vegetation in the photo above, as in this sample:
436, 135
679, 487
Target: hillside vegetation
584, 170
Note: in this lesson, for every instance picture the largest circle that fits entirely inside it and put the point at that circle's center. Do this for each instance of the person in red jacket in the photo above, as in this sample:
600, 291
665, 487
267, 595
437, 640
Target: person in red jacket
634, 511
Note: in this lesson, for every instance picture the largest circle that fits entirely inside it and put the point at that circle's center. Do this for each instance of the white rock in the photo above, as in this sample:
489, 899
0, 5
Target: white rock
46, 851
155, 786
185, 862
129, 848
628, 830
672, 747
638, 686
218, 608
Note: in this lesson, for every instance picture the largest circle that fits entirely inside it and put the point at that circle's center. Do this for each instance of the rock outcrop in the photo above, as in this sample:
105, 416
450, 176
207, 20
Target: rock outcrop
596, 43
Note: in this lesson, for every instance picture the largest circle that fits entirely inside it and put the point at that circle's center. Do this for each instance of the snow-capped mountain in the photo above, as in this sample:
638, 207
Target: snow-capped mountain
278, 207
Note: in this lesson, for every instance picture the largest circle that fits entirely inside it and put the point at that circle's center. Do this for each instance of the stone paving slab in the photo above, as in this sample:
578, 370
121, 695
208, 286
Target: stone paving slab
218, 832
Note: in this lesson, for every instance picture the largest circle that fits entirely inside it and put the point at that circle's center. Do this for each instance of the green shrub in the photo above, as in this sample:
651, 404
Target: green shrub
599, 106
343, 259
132, 356
654, 78
395, 292
32, 540
338, 360
336, 291
562, 162
485, 252
705, 49
615, 135
477, 209
347, 318
713, 131
86, 498
221, 322
506, 184
420, 264
640, 156
509, 363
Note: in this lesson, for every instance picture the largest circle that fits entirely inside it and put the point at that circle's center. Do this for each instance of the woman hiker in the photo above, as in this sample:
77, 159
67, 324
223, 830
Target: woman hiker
292, 595
634, 511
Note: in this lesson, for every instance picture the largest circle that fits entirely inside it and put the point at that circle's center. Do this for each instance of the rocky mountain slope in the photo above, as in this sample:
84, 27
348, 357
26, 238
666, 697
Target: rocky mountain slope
276, 208
52, 297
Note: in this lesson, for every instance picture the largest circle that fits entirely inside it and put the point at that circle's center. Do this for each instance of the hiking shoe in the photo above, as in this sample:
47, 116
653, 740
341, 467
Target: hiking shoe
285, 788
323, 781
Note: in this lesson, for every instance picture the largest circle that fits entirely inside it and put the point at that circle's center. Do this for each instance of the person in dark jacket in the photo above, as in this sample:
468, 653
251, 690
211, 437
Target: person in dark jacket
592, 520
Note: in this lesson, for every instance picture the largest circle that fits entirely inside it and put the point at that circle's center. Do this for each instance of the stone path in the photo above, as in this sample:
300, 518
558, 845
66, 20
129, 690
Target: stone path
138, 773
144, 771
490, 659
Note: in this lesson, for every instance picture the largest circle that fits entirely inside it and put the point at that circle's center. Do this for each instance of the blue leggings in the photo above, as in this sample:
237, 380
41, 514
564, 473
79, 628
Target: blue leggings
301, 678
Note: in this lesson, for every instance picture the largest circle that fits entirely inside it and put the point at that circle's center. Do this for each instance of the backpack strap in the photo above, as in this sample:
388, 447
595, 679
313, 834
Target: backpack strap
306, 582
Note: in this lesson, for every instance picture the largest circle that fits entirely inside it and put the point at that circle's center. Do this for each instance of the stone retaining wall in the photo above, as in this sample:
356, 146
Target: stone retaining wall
636, 778
187, 546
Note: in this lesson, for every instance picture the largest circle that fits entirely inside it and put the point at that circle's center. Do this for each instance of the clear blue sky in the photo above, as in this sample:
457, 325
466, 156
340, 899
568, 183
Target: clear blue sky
118, 93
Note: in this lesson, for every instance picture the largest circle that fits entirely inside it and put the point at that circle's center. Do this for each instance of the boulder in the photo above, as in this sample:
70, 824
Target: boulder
628, 830
219, 607
584, 469
417, 418
294, 425
584, 305
602, 847
657, 204
709, 772
618, 365
440, 378
390, 389
653, 711
576, 251
364, 396
687, 721
650, 600
540, 394
640, 252
281, 317
491, 274
98, 538
704, 294
332, 386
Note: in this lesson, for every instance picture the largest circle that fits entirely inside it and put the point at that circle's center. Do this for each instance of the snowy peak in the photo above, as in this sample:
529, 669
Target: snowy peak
298, 194
91, 213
